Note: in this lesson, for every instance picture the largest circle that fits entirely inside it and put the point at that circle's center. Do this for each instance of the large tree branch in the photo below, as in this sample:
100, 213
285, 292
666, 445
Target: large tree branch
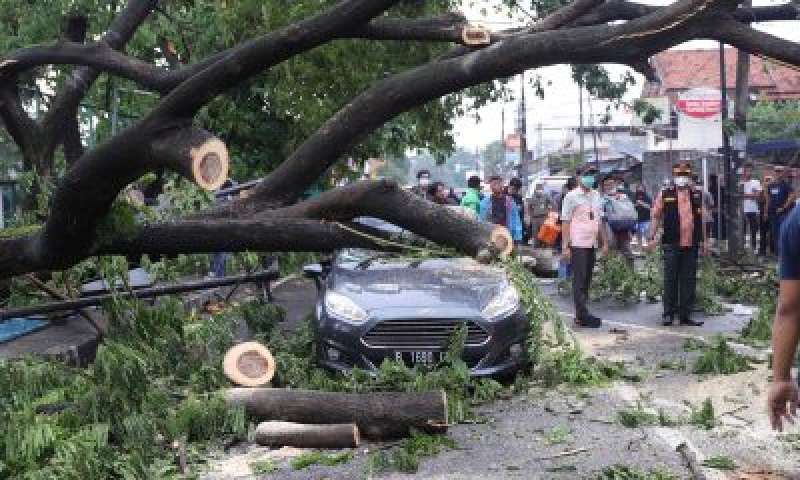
755, 42
386, 200
102, 57
319, 224
86, 193
264, 235
445, 28
254, 56
595, 44
74, 31
22, 128
566, 14
615, 10
67, 100
19, 255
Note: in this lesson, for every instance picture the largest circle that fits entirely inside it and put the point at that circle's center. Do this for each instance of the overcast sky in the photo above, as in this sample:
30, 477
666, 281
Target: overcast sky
559, 109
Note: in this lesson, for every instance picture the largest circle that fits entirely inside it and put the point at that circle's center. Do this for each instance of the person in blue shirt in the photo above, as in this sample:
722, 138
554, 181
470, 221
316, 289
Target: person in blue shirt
501, 209
778, 194
783, 395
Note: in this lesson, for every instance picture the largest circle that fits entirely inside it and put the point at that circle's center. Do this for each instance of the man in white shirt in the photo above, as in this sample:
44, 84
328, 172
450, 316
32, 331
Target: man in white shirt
751, 191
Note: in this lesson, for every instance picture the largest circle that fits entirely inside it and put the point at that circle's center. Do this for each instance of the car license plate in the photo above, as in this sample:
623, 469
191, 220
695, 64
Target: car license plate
418, 357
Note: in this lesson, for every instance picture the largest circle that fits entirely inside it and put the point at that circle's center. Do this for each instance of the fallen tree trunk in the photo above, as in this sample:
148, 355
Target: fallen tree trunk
288, 434
378, 415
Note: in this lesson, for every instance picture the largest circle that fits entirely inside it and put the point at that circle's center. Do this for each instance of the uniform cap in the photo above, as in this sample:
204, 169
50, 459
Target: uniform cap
680, 169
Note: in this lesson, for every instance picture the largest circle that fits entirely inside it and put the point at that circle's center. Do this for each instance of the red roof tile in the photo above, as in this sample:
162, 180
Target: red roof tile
684, 69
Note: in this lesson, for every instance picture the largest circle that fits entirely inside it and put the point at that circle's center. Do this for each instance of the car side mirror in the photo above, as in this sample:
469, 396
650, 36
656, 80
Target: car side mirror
313, 270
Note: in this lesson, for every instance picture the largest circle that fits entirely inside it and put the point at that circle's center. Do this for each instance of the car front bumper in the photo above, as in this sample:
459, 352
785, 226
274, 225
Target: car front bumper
341, 346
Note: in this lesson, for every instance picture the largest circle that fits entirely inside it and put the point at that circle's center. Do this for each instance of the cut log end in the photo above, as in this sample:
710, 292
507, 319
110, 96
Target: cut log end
210, 164
249, 364
502, 240
475, 35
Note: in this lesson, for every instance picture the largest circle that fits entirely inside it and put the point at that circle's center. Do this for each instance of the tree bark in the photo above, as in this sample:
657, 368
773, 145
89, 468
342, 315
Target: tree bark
378, 415
618, 43
288, 434
386, 200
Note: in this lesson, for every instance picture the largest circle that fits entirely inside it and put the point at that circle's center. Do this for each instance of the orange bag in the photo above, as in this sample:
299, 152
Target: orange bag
548, 232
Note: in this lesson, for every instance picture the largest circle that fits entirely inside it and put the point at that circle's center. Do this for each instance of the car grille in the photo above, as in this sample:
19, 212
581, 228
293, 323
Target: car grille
416, 334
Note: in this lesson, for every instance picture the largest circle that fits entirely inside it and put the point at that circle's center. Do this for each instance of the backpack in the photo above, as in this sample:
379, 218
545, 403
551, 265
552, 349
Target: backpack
621, 214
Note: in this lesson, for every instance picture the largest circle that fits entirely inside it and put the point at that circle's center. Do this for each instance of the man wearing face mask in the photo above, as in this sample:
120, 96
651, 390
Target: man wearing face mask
680, 209
423, 183
581, 217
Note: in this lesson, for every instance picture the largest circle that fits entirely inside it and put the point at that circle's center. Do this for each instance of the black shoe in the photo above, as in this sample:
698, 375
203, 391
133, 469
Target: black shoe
689, 322
667, 320
589, 322
594, 322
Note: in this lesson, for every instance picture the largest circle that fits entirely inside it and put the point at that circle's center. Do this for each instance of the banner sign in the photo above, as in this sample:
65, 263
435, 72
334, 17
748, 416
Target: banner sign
700, 102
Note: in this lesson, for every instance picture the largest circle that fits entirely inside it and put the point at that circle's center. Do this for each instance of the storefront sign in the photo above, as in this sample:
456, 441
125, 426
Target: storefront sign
700, 102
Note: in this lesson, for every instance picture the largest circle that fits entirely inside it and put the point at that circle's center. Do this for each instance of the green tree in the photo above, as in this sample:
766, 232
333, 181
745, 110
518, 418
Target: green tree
769, 120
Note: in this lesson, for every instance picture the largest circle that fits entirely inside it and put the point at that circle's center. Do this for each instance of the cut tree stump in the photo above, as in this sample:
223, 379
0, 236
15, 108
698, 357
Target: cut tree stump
378, 415
289, 434
196, 154
249, 364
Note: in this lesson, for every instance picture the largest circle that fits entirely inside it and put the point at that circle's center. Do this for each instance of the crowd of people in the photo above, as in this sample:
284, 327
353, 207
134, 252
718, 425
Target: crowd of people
681, 218
605, 213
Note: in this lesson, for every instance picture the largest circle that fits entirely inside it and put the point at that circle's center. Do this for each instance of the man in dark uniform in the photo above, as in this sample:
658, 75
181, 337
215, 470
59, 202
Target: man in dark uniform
778, 194
680, 209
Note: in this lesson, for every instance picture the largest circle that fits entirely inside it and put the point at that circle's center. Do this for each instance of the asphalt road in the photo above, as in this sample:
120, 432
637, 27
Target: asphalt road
572, 434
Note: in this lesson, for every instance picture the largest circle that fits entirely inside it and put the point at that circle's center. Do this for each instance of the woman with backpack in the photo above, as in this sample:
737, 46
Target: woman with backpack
620, 218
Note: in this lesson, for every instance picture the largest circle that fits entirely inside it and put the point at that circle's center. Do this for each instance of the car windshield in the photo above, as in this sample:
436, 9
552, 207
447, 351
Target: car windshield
364, 255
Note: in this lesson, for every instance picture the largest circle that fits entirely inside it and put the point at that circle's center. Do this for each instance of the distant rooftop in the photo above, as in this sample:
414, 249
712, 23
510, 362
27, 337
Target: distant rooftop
680, 70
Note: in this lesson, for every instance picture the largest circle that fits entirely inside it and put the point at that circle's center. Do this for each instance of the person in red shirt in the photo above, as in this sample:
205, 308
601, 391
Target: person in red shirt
680, 209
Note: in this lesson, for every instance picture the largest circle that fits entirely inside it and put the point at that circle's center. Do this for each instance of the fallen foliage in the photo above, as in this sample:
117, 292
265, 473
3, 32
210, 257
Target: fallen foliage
625, 472
720, 358
720, 462
318, 458
703, 416
405, 456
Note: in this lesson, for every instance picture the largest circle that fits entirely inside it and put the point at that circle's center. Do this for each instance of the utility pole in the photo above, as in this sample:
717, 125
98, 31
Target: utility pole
594, 134
522, 130
539, 150
503, 130
580, 110
735, 226
724, 215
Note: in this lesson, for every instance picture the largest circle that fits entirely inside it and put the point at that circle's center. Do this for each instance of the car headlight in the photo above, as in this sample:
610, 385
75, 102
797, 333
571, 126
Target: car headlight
504, 303
343, 308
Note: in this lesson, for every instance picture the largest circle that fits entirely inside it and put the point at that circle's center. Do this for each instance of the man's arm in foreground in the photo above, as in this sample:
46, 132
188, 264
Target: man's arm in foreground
783, 393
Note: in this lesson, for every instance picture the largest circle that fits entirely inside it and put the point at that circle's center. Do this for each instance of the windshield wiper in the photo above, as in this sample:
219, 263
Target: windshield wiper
364, 264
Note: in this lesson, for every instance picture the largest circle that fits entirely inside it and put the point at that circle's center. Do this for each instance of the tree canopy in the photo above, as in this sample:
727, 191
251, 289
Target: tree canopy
294, 88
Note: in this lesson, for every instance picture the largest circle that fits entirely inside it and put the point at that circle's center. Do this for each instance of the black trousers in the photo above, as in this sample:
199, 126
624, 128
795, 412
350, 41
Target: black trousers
765, 237
751, 224
680, 279
582, 266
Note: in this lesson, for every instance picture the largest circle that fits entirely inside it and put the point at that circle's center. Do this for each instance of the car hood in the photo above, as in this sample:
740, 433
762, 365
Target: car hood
436, 287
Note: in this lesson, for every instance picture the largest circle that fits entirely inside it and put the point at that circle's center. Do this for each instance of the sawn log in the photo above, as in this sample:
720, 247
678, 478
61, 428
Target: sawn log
289, 434
378, 415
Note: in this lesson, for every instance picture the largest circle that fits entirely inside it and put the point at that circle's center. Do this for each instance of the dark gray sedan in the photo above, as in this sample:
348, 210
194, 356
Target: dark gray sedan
373, 306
